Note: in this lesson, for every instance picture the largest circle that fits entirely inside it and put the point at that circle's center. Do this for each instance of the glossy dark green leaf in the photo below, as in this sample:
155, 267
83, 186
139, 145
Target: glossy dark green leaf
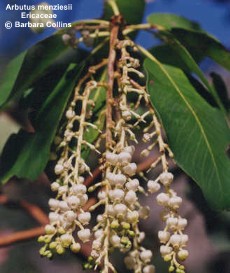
197, 133
26, 154
186, 61
166, 55
29, 66
169, 21
221, 89
203, 45
199, 43
9, 77
132, 11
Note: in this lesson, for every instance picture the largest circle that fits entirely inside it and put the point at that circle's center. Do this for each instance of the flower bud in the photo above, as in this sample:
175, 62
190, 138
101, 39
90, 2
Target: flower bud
70, 216
49, 229
84, 235
53, 203
58, 169
75, 247
182, 254
130, 169
162, 199
163, 236
73, 201
83, 199
164, 250
132, 184
153, 186
63, 206
126, 115
175, 202
55, 186
124, 158
115, 240
66, 240
120, 209
101, 195
171, 222
146, 256
184, 239
84, 217
78, 189
149, 269
130, 197
166, 178
120, 179
70, 114
141, 237
112, 158
53, 217
175, 240
182, 223
132, 216
62, 190
60, 249
98, 233
129, 149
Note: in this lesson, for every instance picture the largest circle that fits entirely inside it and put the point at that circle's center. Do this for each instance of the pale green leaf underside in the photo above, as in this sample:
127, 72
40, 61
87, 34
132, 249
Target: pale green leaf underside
197, 133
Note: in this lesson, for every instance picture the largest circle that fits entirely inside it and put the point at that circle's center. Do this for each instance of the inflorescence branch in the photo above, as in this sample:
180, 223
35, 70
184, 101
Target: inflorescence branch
128, 113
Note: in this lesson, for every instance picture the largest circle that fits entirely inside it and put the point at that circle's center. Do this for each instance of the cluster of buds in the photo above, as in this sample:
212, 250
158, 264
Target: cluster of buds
67, 209
172, 238
117, 227
85, 33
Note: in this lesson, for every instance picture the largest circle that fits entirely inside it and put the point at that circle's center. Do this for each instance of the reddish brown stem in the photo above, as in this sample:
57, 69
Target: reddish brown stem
35, 212
31, 209
111, 70
21, 236
90, 179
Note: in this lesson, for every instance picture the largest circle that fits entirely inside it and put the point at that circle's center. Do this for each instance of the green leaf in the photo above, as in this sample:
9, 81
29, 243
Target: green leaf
221, 89
169, 21
197, 133
29, 66
26, 154
203, 45
167, 55
9, 77
132, 11
187, 62
199, 43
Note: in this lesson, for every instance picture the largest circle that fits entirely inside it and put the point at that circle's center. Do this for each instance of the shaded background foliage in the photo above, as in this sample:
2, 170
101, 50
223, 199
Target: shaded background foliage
210, 230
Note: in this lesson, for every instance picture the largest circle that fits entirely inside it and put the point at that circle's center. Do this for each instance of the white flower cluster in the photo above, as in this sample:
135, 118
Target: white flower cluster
144, 256
172, 238
67, 209
118, 191
117, 227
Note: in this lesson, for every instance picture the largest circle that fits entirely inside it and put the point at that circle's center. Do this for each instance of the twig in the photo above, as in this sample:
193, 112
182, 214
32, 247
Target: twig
90, 179
39, 215
143, 166
111, 70
35, 212
32, 209
21, 236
